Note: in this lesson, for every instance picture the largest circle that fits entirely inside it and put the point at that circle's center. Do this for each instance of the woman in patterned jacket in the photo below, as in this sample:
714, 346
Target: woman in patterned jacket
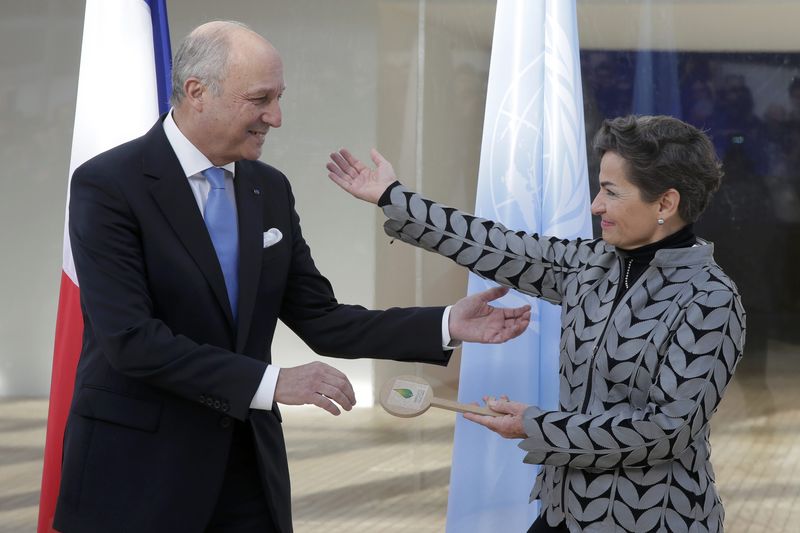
651, 329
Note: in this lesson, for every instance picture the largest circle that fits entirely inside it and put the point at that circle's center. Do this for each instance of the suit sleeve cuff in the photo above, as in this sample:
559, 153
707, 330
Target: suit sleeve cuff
265, 394
447, 342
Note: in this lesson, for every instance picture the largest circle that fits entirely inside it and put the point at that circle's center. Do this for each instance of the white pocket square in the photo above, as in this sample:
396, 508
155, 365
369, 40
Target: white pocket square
272, 236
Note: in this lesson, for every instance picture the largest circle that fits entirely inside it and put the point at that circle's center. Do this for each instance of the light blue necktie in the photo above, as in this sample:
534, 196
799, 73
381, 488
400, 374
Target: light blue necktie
220, 218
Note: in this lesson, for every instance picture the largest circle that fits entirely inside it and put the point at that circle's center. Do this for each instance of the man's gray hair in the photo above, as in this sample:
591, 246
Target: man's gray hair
203, 55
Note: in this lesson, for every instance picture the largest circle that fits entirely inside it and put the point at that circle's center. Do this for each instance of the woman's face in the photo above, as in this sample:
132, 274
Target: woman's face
627, 221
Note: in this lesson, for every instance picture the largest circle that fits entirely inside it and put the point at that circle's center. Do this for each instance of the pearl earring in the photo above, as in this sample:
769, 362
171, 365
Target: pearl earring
660, 221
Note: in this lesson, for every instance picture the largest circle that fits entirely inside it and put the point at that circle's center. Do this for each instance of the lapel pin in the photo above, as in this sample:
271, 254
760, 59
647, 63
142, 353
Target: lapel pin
256, 191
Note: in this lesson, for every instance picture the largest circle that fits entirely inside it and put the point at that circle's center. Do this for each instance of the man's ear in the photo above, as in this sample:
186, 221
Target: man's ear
668, 204
195, 92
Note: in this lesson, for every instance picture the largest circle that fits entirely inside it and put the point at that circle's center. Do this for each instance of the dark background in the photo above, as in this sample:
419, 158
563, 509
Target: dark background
749, 104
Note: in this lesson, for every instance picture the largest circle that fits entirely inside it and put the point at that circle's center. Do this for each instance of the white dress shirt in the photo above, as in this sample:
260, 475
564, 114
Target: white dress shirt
193, 163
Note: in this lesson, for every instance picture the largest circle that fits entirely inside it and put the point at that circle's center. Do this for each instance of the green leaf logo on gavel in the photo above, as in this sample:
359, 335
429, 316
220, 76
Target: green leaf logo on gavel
405, 393
407, 396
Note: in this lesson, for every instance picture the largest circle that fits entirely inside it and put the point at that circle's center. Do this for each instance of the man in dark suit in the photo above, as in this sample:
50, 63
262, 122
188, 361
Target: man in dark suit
174, 425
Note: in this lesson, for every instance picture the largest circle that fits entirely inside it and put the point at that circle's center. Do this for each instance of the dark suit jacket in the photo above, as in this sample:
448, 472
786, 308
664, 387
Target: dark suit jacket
163, 369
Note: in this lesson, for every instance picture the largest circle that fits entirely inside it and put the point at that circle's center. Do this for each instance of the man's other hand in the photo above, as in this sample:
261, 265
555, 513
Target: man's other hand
472, 319
315, 384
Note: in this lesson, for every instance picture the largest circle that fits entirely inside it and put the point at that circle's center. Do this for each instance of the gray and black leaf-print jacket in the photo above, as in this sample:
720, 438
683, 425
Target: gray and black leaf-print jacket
628, 450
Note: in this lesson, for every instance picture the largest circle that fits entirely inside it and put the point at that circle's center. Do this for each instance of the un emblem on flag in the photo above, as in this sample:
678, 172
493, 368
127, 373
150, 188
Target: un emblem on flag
516, 150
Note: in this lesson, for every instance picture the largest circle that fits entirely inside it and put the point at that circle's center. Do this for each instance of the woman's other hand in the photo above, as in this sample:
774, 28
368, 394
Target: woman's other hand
509, 426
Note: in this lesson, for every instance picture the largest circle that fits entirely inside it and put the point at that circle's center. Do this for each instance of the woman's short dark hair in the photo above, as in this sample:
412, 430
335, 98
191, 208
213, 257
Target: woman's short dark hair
664, 153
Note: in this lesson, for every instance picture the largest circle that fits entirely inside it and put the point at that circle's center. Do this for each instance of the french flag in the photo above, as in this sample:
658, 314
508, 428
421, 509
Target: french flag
123, 85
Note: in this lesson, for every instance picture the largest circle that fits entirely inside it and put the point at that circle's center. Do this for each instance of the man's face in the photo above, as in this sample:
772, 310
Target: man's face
236, 122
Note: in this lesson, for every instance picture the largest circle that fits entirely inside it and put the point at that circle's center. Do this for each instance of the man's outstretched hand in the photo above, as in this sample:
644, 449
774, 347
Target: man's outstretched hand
472, 319
355, 177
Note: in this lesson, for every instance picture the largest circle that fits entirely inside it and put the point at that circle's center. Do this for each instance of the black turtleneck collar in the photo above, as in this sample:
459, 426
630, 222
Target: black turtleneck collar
683, 238
636, 261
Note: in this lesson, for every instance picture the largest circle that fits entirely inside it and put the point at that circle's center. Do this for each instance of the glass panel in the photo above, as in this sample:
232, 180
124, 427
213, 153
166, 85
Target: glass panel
409, 76
732, 69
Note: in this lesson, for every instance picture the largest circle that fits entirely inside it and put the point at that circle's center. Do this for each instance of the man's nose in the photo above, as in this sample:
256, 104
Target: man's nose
273, 115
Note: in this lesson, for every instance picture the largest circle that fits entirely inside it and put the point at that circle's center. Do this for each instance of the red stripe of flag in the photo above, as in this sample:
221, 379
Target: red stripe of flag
69, 330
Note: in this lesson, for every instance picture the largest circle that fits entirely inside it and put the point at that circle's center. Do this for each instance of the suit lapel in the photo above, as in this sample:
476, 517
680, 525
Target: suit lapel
249, 206
172, 193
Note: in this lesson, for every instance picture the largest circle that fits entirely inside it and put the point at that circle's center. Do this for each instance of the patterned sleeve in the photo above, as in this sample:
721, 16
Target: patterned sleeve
534, 265
697, 366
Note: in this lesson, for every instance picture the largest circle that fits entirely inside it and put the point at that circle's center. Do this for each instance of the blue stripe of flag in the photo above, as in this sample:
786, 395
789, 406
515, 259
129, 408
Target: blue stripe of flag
162, 51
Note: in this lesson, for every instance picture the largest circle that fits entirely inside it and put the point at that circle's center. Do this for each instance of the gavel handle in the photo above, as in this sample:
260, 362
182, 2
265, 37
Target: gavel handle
463, 407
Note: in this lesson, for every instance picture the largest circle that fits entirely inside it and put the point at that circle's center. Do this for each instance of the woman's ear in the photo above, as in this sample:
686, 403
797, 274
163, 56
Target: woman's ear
668, 204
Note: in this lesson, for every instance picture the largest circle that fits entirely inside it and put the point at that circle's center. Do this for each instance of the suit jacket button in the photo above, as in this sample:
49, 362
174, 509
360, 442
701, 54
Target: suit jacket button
217, 404
202, 398
225, 407
209, 402
225, 422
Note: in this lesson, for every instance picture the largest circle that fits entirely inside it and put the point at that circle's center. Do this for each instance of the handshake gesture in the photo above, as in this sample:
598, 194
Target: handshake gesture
472, 319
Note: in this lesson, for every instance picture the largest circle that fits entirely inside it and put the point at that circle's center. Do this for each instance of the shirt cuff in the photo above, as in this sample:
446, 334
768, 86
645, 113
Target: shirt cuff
447, 342
265, 394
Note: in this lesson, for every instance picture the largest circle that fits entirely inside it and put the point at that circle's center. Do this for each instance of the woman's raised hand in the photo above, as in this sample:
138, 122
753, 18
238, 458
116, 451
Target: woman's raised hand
356, 178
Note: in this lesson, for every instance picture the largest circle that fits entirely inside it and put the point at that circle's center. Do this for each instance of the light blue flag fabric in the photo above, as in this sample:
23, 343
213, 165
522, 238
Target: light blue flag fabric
532, 177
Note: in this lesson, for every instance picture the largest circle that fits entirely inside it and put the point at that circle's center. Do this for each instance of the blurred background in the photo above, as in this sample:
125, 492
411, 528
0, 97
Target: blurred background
409, 77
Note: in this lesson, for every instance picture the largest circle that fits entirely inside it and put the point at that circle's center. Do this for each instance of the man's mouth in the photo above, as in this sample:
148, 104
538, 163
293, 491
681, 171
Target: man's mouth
260, 135
606, 224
